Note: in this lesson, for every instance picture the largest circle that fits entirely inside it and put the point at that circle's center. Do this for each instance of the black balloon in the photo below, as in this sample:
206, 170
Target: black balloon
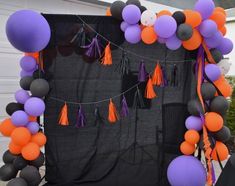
134, 2
39, 161
17, 182
31, 175
223, 134
7, 172
8, 157
184, 32
195, 107
20, 163
142, 8
219, 105
12, 107
25, 82
39, 88
116, 9
208, 91
216, 54
179, 17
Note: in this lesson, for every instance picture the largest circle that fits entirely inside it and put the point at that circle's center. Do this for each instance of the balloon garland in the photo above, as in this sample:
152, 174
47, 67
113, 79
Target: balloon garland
29, 36
201, 29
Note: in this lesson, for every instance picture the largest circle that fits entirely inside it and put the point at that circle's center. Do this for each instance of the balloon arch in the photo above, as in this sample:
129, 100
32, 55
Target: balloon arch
202, 29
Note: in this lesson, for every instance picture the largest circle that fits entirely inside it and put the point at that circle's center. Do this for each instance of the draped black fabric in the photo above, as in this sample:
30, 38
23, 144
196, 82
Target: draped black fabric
136, 150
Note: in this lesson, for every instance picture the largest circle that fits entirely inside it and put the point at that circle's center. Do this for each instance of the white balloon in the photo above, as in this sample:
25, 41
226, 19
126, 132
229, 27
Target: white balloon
148, 18
224, 65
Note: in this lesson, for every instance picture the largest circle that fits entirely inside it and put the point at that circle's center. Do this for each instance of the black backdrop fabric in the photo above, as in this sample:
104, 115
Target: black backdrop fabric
136, 150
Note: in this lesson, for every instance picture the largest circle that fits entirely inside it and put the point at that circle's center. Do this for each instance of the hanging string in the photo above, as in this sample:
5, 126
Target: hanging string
127, 51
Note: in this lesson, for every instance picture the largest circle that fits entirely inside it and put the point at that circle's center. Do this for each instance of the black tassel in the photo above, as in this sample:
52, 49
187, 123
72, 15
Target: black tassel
174, 80
98, 117
138, 99
79, 39
124, 66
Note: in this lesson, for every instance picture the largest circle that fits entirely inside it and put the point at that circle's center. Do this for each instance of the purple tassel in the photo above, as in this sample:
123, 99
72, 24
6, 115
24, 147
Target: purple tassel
93, 49
81, 120
213, 173
142, 76
125, 110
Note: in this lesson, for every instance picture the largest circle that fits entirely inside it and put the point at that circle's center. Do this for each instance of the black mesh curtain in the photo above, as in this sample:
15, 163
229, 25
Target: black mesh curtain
136, 150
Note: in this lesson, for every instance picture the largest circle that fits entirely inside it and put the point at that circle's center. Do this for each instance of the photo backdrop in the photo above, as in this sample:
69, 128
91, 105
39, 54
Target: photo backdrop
137, 149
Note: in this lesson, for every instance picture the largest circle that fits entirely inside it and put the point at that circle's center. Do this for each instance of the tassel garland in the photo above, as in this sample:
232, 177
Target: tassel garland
113, 114
81, 120
125, 110
107, 56
64, 116
149, 91
142, 76
157, 76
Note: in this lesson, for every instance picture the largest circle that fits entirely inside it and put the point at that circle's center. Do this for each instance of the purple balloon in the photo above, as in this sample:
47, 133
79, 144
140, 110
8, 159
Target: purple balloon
208, 28
25, 73
19, 118
33, 127
215, 40
194, 123
34, 106
205, 8
213, 72
21, 96
173, 43
161, 40
28, 63
28, 31
186, 170
165, 26
131, 14
124, 26
133, 34
226, 46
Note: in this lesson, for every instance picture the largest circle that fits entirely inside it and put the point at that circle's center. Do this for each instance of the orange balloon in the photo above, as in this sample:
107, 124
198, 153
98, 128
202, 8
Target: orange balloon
6, 127
214, 122
30, 151
34, 54
164, 12
20, 136
148, 35
219, 18
14, 149
194, 42
223, 30
220, 9
193, 18
32, 118
221, 150
187, 148
224, 87
142, 27
39, 138
108, 12
192, 137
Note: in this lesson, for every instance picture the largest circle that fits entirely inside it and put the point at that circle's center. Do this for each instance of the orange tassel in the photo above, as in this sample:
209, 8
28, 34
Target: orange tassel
113, 114
64, 116
107, 56
157, 78
149, 91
